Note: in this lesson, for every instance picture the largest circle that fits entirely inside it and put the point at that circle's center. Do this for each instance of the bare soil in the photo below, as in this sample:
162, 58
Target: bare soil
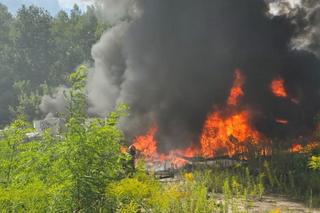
279, 204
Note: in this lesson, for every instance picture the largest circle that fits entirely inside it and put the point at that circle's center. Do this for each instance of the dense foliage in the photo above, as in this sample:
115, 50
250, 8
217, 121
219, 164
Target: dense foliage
65, 172
38, 51
82, 168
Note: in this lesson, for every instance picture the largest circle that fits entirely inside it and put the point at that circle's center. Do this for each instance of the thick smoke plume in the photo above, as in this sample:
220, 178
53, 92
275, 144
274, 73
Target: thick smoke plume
173, 62
305, 15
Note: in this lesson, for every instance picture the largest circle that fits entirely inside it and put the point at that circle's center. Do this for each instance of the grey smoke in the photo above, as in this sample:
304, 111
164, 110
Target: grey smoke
172, 62
305, 14
106, 77
113, 11
53, 105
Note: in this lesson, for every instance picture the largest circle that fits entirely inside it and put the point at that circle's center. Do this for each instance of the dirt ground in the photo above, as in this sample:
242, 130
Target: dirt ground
279, 204
268, 203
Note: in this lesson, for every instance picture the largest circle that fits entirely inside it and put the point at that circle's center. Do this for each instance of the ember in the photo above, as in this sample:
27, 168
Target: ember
282, 121
277, 87
295, 148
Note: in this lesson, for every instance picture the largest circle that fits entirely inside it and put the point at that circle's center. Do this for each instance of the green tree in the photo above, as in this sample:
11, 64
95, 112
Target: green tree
74, 36
5, 24
37, 48
34, 44
29, 99
6, 61
66, 172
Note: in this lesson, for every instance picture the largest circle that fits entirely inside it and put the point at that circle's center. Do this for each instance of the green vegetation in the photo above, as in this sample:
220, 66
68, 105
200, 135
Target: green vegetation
82, 169
314, 162
61, 173
38, 51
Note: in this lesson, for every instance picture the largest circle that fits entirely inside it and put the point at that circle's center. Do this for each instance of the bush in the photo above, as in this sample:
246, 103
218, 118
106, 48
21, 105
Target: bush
66, 172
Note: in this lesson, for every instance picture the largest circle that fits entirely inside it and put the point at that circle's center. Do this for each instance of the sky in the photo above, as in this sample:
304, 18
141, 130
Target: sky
53, 6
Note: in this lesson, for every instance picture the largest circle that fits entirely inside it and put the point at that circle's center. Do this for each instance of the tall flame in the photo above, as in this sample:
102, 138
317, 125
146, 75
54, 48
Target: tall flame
277, 87
225, 131
236, 90
223, 134
220, 133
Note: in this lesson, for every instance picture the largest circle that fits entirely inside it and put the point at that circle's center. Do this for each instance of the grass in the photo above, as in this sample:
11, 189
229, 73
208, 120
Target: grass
233, 189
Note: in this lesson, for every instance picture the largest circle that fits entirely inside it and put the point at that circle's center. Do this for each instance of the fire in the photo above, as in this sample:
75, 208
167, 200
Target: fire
225, 134
146, 144
277, 87
147, 147
225, 131
296, 148
236, 90
189, 152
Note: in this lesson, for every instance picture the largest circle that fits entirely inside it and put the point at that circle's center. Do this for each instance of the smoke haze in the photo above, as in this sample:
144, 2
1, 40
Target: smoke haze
173, 62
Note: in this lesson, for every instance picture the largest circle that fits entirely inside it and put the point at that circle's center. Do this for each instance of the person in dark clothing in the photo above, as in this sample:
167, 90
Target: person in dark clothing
132, 151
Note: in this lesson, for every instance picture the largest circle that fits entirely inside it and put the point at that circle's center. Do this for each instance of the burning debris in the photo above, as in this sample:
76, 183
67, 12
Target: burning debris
277, 87
224, 131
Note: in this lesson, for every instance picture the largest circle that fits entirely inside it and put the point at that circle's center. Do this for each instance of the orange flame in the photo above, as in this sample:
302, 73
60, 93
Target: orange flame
188, 152
236, 90
277, 87
226, 133
146, 144
147, 147
307, 148
296, 148
223, 134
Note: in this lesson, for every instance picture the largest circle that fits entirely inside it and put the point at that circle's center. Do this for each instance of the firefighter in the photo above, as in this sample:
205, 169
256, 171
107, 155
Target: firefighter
132, 151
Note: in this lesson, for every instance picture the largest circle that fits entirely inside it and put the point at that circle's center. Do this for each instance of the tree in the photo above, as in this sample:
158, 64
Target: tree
66, 172
74, 36
6, 61
38, 48
5, 24
33, 44
29, 99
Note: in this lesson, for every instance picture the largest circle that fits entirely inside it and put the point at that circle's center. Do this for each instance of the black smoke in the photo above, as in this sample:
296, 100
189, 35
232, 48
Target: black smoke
173, 61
